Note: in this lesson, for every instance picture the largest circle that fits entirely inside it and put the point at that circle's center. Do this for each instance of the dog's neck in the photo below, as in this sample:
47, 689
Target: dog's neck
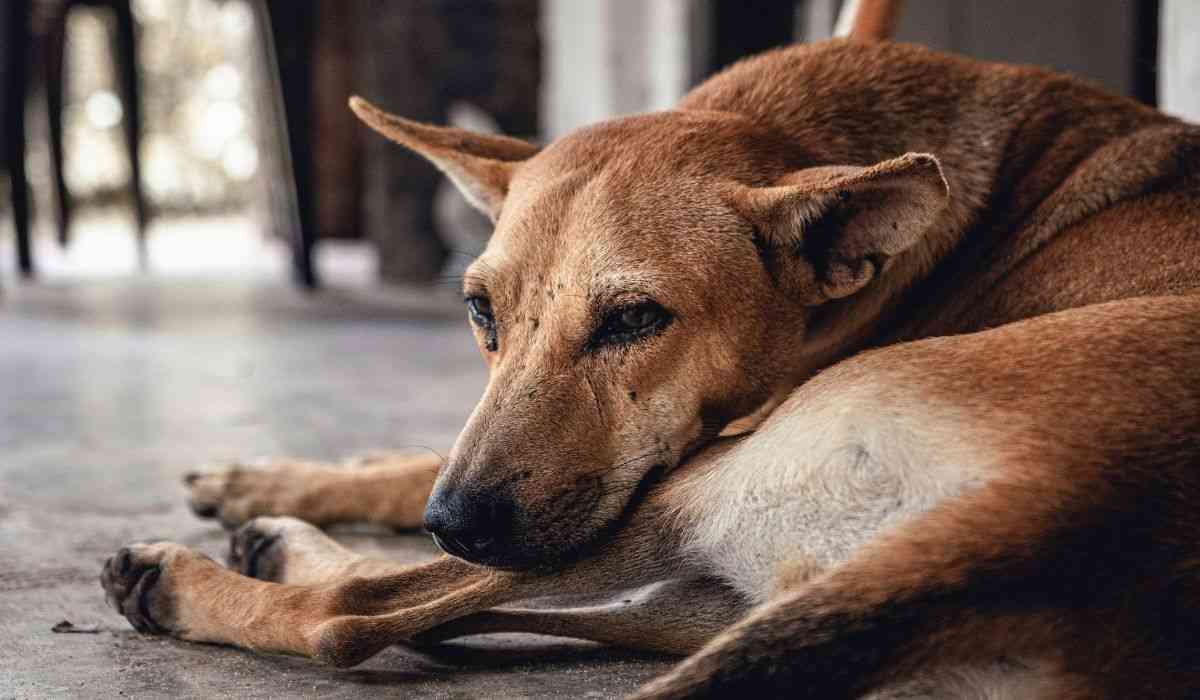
1007, 138
1070, 150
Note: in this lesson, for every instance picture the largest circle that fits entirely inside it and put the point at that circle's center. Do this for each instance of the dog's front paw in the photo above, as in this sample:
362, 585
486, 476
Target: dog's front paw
236, 493
287, 550
137, 583
252, 550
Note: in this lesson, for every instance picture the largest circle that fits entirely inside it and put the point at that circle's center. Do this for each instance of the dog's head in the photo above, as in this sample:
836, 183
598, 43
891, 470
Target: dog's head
651, 281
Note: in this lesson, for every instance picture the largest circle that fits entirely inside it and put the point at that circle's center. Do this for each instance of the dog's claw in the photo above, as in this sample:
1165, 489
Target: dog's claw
123, 561
203, 510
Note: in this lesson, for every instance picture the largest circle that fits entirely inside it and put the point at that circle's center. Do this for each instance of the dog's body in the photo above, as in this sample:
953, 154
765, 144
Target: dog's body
996, 513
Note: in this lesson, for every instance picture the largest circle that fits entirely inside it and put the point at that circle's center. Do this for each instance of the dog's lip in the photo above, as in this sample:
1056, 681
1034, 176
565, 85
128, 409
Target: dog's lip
605, 533
450, 546
475, 551
493, 560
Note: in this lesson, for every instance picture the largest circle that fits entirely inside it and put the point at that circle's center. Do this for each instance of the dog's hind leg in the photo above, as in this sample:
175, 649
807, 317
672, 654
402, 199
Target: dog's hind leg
388, 489
673, 617
1023, 566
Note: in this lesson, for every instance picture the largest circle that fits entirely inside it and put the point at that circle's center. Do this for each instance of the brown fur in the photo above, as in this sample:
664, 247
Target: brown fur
800, 208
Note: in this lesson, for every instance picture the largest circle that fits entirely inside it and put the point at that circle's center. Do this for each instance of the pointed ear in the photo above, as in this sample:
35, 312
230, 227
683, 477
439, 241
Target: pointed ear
481, 165
848, 220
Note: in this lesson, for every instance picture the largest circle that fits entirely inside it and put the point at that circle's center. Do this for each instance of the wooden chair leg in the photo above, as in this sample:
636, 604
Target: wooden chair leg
292, 28
131, 96
56, 87
16, 51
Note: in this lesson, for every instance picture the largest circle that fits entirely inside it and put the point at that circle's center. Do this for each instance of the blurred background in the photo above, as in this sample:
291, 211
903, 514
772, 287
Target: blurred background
211, 137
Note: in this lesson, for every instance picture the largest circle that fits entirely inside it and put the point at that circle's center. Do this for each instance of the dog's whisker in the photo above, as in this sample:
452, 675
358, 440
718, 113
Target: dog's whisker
624, 463
427, 448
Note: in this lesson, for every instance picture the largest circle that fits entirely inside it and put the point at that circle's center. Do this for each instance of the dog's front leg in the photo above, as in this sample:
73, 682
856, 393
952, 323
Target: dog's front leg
169, 589
672, 616
166, 588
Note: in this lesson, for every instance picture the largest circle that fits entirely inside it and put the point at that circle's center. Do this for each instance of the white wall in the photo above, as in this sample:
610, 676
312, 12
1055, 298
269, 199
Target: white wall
609, 57
1179, 59
1089, 38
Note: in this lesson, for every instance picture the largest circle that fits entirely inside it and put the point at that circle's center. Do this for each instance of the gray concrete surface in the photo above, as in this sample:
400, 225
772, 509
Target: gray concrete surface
110, 391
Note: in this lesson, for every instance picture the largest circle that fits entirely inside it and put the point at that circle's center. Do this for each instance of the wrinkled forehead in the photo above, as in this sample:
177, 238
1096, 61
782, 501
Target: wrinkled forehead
608, 230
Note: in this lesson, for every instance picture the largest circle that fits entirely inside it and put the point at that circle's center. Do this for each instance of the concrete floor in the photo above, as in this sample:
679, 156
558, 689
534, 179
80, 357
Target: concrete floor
111, 390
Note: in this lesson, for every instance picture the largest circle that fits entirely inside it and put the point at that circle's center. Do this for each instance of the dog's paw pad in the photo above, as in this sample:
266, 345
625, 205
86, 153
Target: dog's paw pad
132, 582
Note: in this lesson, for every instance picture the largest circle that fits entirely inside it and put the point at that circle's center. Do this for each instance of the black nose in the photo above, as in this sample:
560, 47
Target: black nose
468, 526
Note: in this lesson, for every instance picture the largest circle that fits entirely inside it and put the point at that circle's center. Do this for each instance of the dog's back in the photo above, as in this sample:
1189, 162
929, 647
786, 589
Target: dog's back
1063, 195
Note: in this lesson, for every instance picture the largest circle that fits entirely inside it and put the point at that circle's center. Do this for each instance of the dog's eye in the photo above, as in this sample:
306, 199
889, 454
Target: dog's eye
480, 311
629, 323
637, 317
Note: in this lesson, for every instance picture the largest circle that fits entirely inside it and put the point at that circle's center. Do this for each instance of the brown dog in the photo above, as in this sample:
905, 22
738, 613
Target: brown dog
997, 513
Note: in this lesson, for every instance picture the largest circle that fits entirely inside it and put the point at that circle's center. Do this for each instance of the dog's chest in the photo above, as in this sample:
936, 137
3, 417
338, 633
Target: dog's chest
801, 495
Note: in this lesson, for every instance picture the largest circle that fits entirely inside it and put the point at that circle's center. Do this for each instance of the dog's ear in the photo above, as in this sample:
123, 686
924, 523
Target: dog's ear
847, 220
481, 165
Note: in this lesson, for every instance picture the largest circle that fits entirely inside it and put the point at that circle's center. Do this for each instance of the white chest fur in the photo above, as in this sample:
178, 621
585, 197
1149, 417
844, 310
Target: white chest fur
816, 481
820, 478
